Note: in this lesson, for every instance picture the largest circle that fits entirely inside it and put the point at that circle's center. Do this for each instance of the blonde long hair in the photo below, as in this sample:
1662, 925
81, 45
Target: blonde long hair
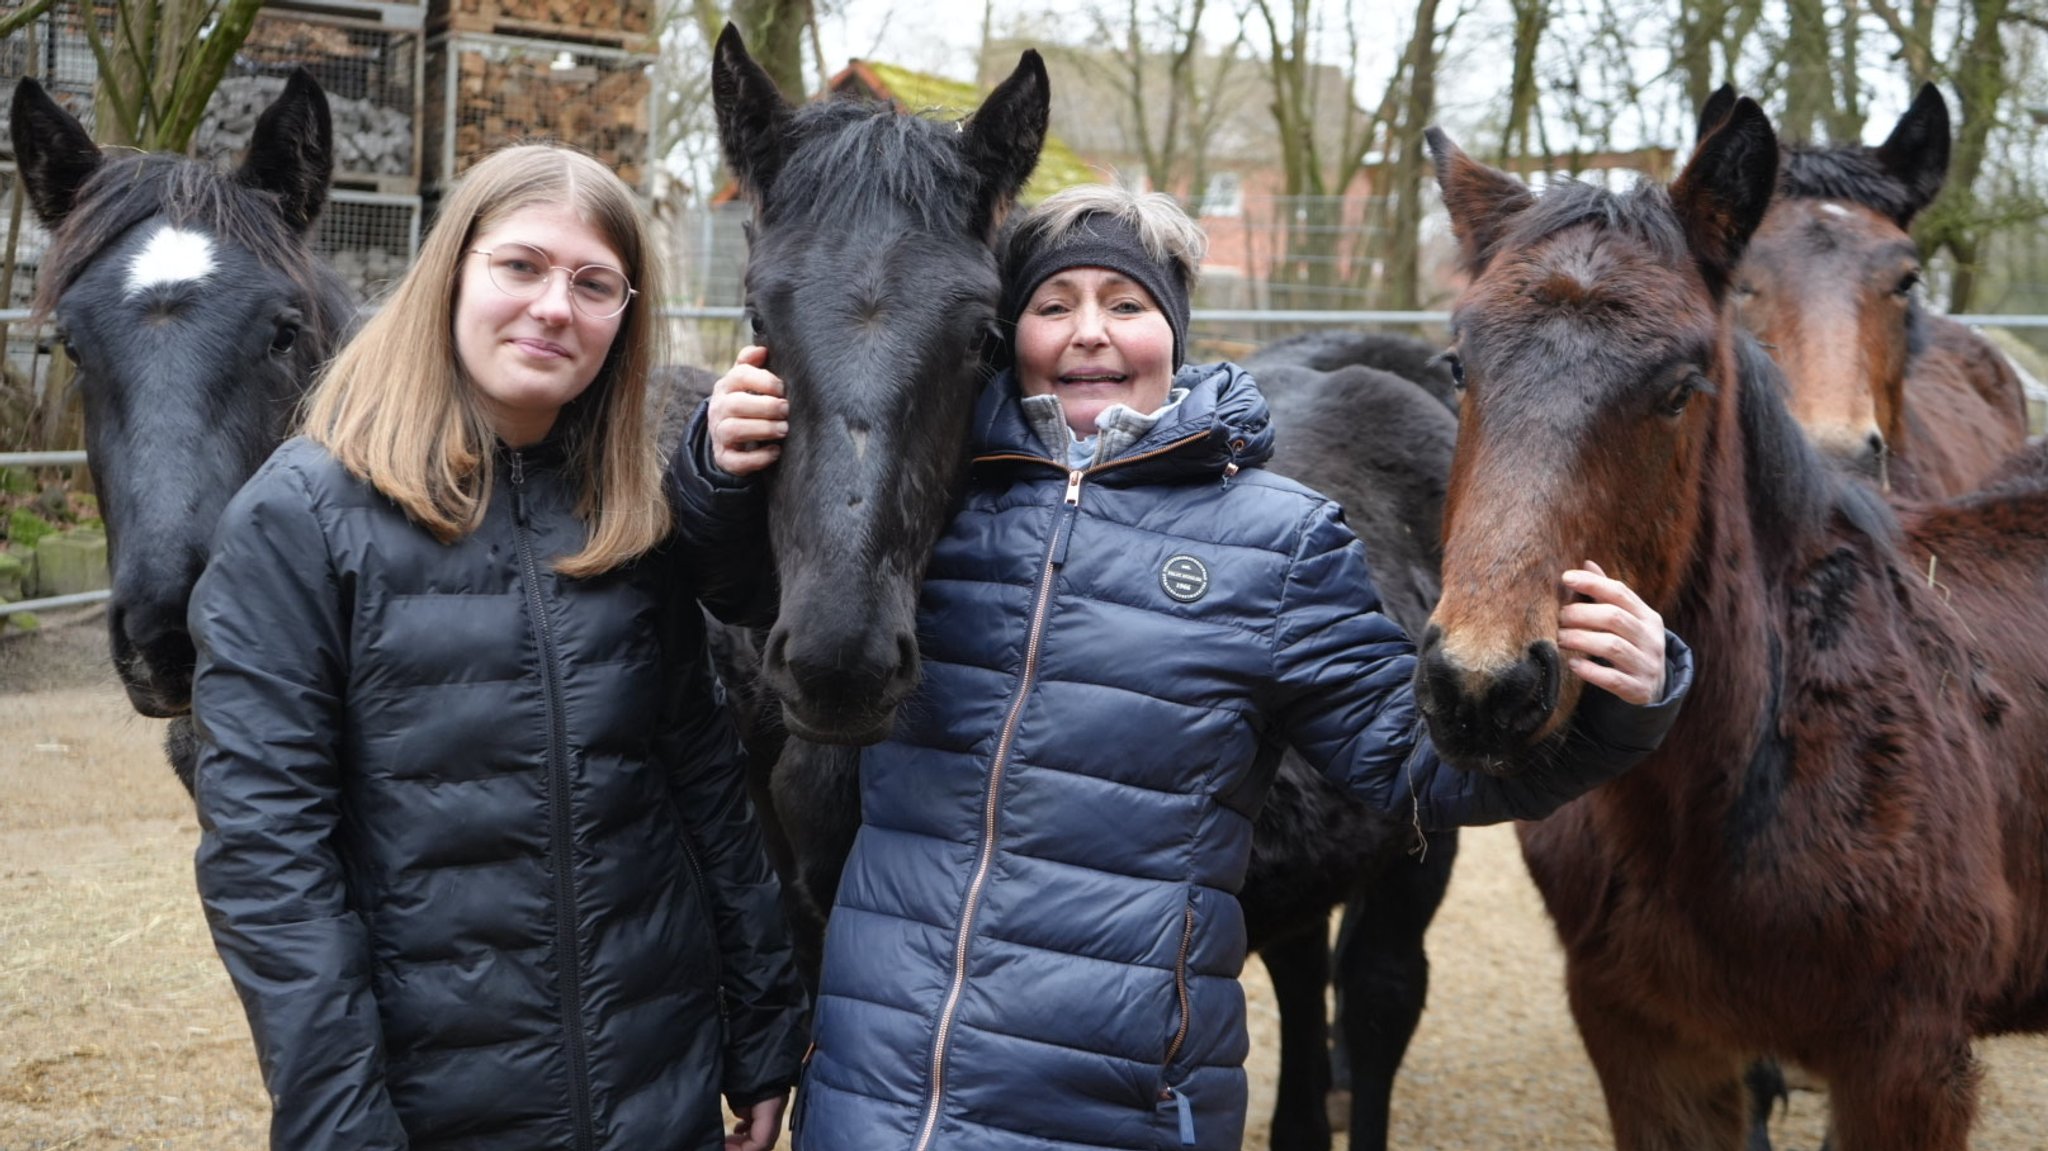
396, 410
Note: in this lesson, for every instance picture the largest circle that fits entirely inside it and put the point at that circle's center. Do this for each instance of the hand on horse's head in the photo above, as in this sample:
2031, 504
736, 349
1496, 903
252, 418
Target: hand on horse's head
749, 416
1614, 640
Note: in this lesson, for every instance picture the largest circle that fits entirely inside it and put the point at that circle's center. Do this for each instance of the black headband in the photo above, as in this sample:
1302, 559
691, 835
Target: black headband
1099, 240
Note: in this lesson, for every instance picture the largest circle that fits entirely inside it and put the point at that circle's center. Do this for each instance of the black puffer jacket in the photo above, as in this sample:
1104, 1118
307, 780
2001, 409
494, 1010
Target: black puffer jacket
476, 849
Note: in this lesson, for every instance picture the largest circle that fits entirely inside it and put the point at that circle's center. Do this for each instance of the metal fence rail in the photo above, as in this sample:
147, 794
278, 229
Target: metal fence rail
2037, 390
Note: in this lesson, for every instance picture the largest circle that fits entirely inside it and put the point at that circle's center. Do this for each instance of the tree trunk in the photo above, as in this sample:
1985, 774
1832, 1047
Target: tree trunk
1403, 283
1531, 18
1809, 79
1954, 221
774, 30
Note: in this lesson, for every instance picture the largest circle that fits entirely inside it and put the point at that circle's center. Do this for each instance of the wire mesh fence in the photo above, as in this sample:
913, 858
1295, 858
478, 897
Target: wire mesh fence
483, 92
371, 73
55, 51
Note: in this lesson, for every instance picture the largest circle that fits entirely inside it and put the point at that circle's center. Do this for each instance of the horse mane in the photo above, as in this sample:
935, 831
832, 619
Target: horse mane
852, 159
1795, 494
1853, 173
127, 190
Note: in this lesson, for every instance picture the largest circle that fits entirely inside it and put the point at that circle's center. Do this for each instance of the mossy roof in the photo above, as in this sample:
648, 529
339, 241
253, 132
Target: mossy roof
1058, 165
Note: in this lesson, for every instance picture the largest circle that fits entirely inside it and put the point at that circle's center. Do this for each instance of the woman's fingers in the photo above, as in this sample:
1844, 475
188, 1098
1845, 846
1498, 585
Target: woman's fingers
748, 416
1614, 641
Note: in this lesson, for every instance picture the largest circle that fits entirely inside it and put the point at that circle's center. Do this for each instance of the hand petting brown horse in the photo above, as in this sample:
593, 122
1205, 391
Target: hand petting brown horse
1837, 856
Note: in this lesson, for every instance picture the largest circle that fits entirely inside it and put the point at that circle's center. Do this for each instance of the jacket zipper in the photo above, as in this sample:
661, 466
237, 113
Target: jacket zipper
1168, 1092
1055, 555
710, 924
566, 957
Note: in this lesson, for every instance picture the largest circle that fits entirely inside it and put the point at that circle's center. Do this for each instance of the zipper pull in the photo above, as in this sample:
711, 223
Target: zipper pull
519, 487
1063, 527
1187, 1114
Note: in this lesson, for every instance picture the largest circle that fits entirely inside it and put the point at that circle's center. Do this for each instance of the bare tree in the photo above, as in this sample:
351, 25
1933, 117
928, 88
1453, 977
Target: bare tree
775, 31
1172, 89
1531, 17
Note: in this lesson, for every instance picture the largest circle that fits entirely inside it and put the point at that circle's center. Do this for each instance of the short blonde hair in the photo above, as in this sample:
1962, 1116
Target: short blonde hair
396, 410
1167, 233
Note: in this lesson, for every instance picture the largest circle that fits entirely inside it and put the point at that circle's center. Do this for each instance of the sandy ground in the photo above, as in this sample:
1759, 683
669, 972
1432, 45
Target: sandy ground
118, 1029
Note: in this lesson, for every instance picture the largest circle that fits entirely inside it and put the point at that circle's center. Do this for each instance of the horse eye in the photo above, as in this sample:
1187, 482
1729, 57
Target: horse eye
1457, 367
283, 339
1907, 283
1674, 402
754, 322
985, 337
71, 353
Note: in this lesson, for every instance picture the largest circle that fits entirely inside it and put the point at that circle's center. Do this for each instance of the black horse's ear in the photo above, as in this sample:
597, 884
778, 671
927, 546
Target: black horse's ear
752, 114
1721, 196
1715, 111
291, 153
1916, 153
1480, 200
54, 151
1002, 139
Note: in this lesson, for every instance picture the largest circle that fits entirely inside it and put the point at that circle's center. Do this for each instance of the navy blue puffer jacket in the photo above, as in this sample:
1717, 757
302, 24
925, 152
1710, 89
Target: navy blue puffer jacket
1037, 940
477, 851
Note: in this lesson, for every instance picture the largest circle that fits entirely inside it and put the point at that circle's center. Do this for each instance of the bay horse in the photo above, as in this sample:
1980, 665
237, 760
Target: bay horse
872, 279
1829, 283
1836, 857
195, 314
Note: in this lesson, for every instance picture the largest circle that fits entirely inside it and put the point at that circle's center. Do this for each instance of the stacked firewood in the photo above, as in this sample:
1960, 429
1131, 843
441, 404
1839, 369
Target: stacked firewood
599, 105
568, 17
369, 138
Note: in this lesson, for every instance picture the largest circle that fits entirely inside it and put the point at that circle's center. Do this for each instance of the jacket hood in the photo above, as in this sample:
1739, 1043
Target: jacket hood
1223, 421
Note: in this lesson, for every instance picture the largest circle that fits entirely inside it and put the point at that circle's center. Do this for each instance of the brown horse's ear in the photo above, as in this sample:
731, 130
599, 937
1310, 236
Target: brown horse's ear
291, 152
55, 153
1721, 196
752, 115
1916, 153
1479, 199
1002, 139
1715, 111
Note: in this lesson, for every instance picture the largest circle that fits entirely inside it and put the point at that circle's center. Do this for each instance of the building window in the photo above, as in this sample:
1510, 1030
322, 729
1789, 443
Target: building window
1224, 196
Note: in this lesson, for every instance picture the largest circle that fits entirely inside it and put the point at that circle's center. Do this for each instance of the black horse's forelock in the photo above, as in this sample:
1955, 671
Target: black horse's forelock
1643, 212
850, 159
126, 190
1854, 174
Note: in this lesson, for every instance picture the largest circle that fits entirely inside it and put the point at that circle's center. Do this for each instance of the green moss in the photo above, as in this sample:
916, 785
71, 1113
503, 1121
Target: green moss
26, 529
1058, 165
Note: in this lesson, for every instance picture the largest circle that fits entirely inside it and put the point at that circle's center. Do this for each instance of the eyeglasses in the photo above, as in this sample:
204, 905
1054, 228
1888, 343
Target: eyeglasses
596, 290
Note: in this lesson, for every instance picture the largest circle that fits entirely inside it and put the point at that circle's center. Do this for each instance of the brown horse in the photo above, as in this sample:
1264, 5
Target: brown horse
1914, 400
1839, 856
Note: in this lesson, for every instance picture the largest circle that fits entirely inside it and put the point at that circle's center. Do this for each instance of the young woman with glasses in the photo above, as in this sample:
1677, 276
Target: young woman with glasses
476, 850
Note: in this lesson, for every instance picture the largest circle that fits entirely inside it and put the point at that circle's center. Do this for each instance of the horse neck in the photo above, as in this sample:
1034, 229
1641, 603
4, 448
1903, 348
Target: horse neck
1768, 503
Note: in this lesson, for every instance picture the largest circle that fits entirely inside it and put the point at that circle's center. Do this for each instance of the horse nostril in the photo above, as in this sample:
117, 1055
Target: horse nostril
776, 655
1543, 654
906, 658
1432, 638
1874, 444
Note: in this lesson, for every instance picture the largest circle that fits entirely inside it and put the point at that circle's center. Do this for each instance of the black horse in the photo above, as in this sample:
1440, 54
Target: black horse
871, 278
196, 315
1379, 443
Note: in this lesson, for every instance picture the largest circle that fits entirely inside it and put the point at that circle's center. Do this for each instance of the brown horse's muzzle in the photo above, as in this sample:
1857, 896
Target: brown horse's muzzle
1486, 719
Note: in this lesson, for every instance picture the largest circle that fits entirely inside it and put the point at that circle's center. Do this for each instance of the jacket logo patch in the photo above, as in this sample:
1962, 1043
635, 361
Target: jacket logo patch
1184, 578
